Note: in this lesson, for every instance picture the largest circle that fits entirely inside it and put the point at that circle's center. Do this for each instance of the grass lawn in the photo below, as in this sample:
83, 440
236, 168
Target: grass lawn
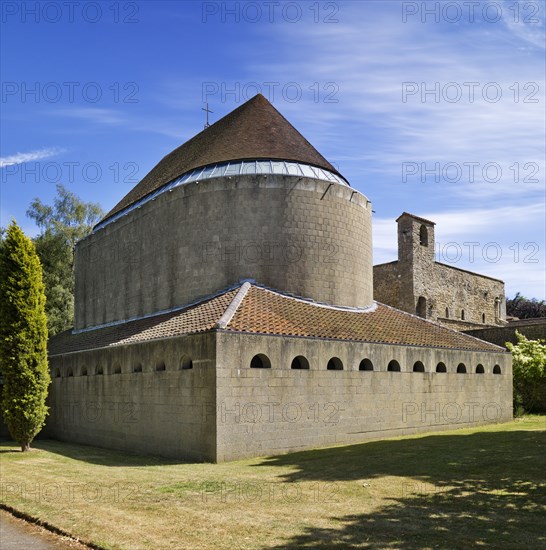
481, 487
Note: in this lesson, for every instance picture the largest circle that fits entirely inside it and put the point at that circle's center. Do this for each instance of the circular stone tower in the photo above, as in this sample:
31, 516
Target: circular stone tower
247, 198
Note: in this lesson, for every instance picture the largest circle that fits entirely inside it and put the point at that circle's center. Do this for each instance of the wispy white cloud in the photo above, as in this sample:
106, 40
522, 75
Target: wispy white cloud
93, 115
526, 20
21, 158
370, 59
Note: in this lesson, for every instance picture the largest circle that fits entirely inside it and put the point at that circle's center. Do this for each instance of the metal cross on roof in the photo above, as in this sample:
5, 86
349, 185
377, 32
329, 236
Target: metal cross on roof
207, 110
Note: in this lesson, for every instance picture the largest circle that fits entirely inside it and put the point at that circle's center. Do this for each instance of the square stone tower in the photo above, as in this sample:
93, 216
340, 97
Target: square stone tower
416, 263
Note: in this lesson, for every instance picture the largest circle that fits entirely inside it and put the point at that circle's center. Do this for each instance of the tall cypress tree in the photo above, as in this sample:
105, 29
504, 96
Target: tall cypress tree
23, 337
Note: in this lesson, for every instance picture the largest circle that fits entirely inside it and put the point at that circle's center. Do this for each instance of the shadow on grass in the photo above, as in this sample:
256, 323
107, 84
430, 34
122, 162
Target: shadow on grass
484, 489
92, 455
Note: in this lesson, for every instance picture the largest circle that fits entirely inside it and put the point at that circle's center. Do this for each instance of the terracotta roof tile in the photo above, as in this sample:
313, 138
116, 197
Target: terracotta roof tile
269, 312
263, 311
255, 130
197, 318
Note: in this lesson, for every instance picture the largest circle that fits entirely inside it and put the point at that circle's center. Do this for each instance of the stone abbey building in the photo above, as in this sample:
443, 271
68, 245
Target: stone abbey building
418, 284
225, 309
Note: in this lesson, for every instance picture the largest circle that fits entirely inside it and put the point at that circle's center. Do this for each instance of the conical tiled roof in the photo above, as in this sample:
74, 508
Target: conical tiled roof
255, 130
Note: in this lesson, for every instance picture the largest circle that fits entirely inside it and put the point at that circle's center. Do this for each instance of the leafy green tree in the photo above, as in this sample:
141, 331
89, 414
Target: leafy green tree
523, 308
62, 226
23, 337
529, 365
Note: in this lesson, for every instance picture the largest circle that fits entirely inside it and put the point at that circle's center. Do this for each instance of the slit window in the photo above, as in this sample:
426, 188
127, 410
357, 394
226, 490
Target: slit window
423, 236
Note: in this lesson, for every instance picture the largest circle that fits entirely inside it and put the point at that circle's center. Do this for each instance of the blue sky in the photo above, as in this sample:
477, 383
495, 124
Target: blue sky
435, 108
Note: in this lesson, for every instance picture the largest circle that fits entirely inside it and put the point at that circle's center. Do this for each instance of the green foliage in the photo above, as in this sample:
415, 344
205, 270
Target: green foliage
23, 337
529, 365
523, 308
62, 225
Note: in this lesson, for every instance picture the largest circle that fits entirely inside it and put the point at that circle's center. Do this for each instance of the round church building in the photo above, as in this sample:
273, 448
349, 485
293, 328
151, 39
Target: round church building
248, 198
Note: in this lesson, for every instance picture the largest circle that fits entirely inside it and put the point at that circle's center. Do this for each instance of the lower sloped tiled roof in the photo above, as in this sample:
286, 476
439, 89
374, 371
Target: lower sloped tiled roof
258, 310
270, 312
190, 320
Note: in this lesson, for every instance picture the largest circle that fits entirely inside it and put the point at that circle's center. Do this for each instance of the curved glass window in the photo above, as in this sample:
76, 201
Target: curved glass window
241, 167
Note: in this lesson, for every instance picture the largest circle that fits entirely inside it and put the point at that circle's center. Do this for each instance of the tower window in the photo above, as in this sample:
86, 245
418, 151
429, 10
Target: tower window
423, 236
496, 369
441, 367
480, 369
483, 318
421, 308
186, 363
461, 368
447, 313
462, 314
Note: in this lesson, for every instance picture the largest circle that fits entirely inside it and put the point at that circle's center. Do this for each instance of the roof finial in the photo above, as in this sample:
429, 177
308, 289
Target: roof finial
207, 110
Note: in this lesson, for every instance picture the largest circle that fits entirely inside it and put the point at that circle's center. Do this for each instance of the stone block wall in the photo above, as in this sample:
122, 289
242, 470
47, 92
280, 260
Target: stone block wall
276, 410
386, 283
297, 235
457, 290
532, 329
162, 409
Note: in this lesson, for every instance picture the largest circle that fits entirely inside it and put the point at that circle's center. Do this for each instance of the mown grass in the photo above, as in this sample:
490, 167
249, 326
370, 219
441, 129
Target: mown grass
481, 487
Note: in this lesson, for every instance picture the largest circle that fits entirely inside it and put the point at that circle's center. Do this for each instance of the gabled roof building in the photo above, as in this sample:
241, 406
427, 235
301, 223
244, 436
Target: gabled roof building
225, 309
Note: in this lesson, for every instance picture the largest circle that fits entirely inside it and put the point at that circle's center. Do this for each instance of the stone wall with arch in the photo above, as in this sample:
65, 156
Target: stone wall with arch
288, 410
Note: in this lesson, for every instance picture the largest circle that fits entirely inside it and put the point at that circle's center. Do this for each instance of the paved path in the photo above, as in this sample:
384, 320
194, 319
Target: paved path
16, 534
